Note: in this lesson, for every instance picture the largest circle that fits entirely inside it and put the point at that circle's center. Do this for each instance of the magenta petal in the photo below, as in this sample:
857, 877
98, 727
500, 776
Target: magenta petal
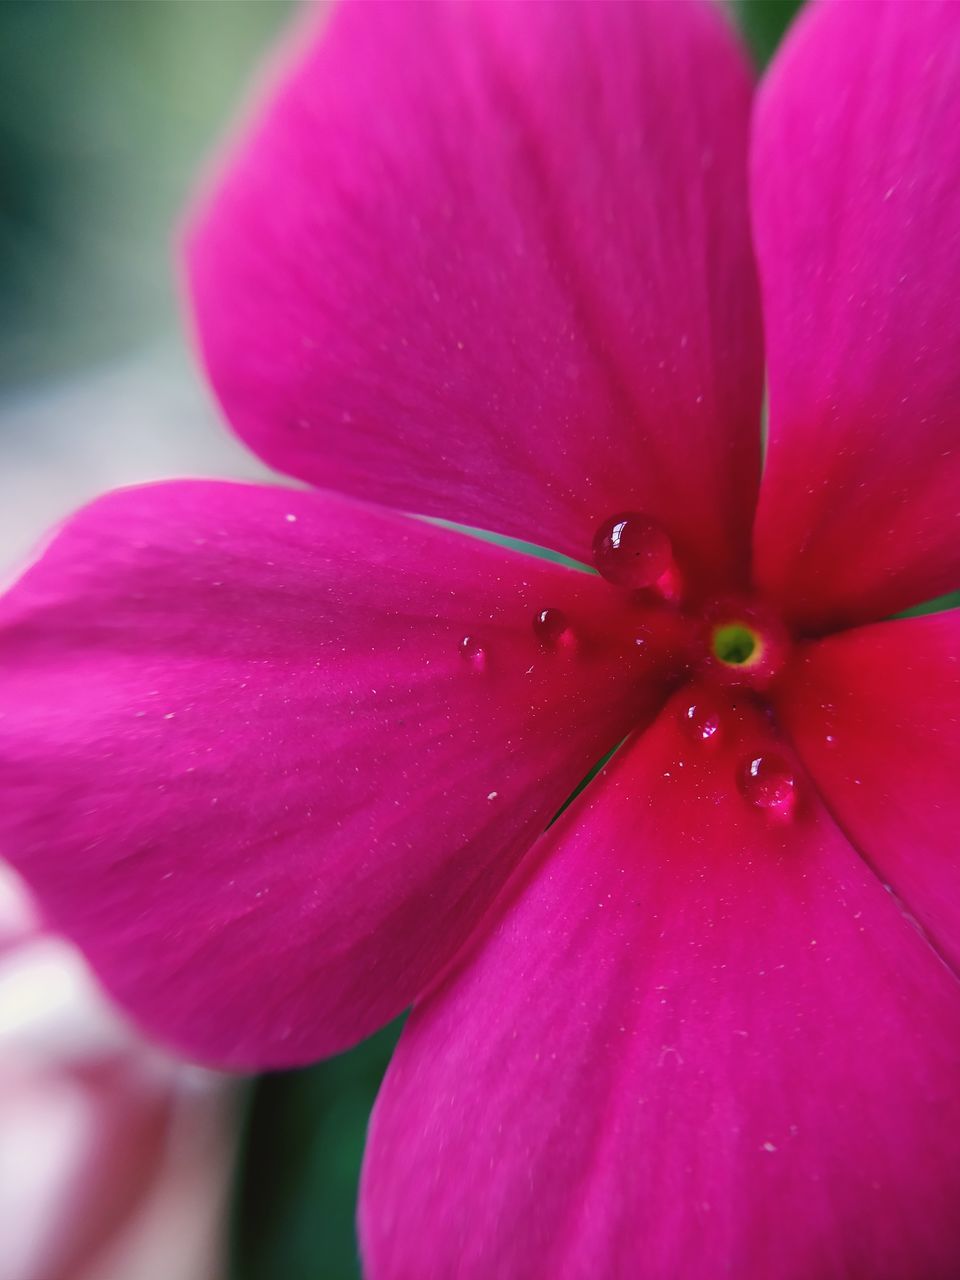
701, 1042
856, 207
492, 263
249, 765
876, 715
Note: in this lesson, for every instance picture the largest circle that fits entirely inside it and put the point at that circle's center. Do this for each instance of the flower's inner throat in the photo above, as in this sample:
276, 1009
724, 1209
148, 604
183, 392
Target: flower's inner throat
736, 644
735, 640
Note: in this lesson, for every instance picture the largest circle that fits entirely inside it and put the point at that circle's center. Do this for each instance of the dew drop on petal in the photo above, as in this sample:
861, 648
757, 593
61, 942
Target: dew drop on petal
631, 550
701, 720
550, 626
768, 782
473, 652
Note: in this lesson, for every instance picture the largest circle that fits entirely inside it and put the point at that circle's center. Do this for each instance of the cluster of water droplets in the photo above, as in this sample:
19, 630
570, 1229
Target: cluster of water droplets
629, 550
633, 552
765, 779
550, 626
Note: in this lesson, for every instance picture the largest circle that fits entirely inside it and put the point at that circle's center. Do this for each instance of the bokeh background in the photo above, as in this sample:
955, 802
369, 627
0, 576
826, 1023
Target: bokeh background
108, 110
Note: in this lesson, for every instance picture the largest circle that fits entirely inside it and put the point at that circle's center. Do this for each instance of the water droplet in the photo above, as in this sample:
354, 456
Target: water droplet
768, 782
550, 625
473, 652
630, 550
701, 721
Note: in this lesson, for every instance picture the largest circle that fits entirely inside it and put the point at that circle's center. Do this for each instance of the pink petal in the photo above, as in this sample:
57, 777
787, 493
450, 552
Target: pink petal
856, 206
701, 1042
876, 715
249, 768
492, 263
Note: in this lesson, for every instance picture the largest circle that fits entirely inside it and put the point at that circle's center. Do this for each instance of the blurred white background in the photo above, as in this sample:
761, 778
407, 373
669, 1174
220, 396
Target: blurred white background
115, 1161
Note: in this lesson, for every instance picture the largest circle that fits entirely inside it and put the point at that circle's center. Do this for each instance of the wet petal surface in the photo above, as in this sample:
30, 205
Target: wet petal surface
701, 1042
267, 755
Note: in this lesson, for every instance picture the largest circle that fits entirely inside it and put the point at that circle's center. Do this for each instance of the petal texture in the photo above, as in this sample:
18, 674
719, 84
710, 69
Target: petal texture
248, 767
700, 1043
492, 263
856, 208
875, 714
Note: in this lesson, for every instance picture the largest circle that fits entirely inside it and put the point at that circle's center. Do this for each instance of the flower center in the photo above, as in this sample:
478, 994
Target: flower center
743, 643
736, 644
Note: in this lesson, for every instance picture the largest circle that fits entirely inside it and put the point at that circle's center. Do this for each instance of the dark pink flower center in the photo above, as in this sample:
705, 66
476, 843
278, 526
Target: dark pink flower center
728, 647
743, 643
728, 652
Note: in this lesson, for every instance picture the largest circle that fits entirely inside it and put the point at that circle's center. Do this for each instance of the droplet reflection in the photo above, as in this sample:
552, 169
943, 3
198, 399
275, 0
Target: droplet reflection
701, 721
550, 626
768, 782
631, 550
473, 652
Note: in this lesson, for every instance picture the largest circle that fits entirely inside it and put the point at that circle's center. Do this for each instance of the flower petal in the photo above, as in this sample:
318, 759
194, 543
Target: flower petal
492, 263
248, 768
856, 207
701, 1042
875, 713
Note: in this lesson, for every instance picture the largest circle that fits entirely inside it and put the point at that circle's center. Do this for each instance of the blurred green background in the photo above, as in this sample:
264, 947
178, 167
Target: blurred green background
107, 110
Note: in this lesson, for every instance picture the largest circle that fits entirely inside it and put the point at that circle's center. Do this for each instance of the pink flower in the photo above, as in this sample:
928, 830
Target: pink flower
281, 761
112, 1158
